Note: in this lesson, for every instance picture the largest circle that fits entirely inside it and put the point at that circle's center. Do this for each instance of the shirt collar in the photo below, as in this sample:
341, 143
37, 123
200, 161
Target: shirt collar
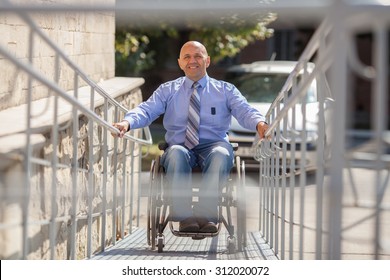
202, 81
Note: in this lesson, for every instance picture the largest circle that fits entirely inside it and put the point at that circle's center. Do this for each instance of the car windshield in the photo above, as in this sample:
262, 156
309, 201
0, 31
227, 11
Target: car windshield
262, 87
258, 87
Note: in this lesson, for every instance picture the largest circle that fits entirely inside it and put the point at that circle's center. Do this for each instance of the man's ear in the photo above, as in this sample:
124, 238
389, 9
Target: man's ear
178, 62
208, 61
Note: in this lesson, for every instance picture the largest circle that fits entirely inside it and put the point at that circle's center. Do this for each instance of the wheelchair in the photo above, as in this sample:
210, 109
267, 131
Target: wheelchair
231, 201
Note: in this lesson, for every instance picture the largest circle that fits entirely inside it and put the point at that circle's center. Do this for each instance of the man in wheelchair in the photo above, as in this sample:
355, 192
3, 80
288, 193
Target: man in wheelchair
197, 114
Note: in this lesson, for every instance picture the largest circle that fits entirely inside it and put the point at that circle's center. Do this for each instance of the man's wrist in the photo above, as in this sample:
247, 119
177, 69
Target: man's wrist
260, 123
128, 125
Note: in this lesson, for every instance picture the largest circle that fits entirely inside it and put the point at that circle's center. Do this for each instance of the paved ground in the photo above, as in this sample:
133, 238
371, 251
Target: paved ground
135, 246
358, 232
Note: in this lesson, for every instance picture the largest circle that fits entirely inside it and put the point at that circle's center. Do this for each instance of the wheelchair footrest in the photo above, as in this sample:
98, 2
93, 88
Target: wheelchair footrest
194, 235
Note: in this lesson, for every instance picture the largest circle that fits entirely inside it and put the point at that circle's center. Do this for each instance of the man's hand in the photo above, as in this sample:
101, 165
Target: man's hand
261, 129
123, 127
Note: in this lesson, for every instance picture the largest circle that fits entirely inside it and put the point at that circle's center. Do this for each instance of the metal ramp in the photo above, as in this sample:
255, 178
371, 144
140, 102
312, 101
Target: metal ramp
135, 247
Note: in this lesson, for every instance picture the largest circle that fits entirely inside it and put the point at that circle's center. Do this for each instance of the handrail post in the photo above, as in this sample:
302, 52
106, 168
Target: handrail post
337, 162
91, 181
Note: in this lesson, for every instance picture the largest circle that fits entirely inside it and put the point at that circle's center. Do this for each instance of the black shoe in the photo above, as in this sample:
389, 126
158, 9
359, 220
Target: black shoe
210, 227
189, 225
198, 237
206, 226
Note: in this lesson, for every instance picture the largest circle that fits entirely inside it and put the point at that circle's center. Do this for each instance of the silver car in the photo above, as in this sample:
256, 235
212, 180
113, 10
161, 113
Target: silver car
260, 82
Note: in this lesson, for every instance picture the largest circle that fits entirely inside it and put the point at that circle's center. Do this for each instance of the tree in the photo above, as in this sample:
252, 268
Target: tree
141, 48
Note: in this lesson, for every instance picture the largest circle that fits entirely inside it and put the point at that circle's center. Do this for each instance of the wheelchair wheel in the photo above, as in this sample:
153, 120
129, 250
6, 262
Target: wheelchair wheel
241, 205
148, 209
231, 245
153, 207
160, 244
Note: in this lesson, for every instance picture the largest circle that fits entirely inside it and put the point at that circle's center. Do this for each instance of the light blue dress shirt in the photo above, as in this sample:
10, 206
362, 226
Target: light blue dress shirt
219, 101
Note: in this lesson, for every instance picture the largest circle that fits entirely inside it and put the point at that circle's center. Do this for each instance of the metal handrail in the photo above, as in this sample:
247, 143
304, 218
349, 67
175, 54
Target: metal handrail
78, 71
294, 227
127, 156
72, 100
310, 49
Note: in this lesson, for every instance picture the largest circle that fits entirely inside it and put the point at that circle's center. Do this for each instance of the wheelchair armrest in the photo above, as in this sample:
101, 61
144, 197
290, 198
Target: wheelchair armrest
162, 146
234, 145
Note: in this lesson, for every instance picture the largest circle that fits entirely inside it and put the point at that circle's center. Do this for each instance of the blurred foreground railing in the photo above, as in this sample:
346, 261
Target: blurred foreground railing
324, 186
68, 188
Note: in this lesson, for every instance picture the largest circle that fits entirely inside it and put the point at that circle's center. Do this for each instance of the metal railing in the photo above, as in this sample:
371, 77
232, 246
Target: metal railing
104, 166
316, 191
324, 186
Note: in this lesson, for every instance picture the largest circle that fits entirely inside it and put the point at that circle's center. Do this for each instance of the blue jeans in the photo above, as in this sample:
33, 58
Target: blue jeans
215, 160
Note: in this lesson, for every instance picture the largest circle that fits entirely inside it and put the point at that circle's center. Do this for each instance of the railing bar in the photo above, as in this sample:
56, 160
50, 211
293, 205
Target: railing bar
276, 186
131, 185
105, 180
270, 197
320, 153
91, 181
284, 171
124, 177
54, 159
27, 186
114, 193
381, 58
6, 6
75, 132
261, 188
265, 192
292, 184
338, 121
139, 190
48, 163
302, 179
275, 190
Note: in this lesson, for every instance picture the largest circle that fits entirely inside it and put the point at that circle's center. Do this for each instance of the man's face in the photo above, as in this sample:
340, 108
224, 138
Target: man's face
194, 60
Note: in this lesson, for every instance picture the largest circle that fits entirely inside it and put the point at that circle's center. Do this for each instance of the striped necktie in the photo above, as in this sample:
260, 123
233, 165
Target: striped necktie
192, 132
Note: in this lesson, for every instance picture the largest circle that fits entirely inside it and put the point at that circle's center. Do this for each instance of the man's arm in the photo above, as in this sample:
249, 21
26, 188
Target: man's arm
142, 115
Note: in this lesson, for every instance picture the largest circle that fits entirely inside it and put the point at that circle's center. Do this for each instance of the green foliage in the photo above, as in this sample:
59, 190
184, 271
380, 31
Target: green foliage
140, 49
222, 43
131, 53
136, 49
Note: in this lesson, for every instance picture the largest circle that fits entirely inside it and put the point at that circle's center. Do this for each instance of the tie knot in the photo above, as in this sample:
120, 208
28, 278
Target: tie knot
195, 85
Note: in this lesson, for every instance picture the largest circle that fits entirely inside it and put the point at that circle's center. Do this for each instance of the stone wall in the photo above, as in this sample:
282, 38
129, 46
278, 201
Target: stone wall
30, 199
39, 214
87, 38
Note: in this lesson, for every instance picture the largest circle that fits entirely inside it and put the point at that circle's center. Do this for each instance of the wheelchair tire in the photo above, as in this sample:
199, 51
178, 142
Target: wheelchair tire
153, 209
160, 245
149, 206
